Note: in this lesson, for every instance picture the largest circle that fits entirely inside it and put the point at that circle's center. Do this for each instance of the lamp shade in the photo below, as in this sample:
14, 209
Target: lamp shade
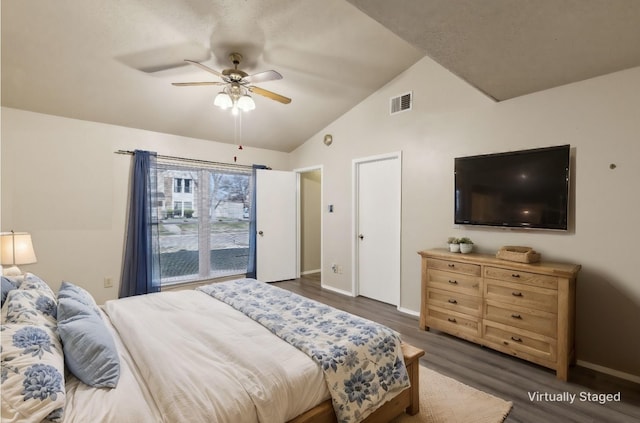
16, 248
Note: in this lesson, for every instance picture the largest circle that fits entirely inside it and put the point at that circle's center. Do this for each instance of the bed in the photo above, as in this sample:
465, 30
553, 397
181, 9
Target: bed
216, 354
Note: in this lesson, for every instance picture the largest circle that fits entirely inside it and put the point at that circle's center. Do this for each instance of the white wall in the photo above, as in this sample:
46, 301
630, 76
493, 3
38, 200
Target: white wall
62, 182
600, 118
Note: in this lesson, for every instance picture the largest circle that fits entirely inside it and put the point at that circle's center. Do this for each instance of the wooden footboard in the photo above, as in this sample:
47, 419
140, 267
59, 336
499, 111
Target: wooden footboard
406, 401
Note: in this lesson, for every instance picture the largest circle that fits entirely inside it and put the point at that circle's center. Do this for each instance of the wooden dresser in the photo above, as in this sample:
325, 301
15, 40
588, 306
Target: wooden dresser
526, 310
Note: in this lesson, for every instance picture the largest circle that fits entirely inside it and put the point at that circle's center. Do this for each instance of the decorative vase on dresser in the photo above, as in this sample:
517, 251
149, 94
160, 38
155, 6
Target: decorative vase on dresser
523, 309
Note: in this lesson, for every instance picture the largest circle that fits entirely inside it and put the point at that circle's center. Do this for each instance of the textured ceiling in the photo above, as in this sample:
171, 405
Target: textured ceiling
508, 48
114, 61
102, 60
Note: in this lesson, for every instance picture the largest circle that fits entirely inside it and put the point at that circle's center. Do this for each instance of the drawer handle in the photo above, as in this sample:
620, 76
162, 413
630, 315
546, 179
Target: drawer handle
516, 316
453, 282
516, 294
453, 301
516, 339
452, 320
451, 265
515, 275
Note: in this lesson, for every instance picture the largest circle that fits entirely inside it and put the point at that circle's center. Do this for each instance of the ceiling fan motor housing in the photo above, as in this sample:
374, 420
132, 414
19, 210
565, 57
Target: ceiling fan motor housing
235, 74
235, 58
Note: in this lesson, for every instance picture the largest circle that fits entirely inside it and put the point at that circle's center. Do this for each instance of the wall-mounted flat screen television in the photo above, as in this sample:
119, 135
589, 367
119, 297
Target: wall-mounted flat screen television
518, 189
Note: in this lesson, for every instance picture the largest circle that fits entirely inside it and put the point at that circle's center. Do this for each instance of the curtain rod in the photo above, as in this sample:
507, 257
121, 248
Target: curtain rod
184, 159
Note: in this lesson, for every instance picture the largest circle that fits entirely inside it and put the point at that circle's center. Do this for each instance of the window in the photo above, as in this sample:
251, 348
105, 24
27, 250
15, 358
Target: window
206, 234
182, 185
177, 185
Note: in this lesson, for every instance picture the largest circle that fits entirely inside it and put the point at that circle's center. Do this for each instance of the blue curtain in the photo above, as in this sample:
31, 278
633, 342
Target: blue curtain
252, 264
141, 266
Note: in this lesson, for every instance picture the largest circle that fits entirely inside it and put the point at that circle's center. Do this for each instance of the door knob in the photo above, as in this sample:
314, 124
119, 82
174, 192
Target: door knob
361, 236
260, 233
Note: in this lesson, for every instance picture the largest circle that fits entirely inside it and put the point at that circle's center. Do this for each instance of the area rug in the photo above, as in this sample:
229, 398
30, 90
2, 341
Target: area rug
445, 400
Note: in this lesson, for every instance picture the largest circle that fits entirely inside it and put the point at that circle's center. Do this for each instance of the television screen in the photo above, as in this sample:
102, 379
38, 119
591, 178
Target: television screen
519, 189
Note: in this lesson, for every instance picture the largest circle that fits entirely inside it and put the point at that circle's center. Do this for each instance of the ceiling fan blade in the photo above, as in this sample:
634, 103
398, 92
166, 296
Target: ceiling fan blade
192, 84
269, 94
259, 77
204, 68
168, 57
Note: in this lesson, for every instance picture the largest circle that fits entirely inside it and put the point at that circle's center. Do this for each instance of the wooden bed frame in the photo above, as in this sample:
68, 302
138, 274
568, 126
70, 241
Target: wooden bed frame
406, 401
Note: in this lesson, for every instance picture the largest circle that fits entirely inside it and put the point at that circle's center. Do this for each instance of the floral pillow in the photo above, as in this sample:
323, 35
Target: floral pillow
32, 281
30, 306
32, 376
32, 303
32, 373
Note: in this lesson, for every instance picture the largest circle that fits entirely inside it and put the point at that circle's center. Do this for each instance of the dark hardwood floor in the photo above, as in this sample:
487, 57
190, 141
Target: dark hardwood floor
504, 376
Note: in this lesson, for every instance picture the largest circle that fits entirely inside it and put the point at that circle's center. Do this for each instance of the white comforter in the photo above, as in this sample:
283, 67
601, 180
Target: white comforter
186, 357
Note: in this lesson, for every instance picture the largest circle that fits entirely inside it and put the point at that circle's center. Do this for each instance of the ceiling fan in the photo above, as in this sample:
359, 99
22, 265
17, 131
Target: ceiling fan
237, 85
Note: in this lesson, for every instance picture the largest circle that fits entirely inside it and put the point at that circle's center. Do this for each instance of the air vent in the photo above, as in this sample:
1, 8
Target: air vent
401, 103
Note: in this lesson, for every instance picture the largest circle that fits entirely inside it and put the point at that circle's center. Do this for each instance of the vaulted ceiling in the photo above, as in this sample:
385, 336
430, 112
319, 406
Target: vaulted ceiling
508, 48
114, 61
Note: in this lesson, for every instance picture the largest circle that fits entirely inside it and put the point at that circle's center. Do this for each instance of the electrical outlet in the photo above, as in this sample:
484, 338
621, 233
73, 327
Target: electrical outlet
108, 282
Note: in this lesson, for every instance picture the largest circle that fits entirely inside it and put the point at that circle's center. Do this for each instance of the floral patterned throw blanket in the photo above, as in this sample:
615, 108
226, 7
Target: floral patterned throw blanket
362, 360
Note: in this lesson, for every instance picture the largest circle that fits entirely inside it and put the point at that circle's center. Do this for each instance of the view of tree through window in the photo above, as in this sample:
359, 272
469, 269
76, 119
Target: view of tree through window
203, 218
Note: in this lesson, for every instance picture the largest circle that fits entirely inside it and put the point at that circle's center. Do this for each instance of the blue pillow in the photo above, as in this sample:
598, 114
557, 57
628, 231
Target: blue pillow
90, 352
79, 294
7, 286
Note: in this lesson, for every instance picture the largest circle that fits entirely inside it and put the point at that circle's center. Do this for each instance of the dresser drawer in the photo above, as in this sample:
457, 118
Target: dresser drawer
456, 282
454, 301
537, 321
454, 266
452, 322
519, 342
523, 309
512, 275
521, 295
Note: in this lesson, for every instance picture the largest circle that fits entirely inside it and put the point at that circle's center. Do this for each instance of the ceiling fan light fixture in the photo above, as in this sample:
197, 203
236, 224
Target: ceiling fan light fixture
223, 100
246, 103
237, 86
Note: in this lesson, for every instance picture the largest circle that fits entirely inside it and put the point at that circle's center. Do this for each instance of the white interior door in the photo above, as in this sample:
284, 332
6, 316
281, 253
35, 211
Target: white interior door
276, 226
378, 207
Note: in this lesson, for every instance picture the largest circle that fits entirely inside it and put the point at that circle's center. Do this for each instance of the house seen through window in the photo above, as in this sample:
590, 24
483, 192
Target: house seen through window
203, 221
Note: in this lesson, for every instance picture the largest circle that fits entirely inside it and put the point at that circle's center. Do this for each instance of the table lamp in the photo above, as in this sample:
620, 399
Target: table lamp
16, 249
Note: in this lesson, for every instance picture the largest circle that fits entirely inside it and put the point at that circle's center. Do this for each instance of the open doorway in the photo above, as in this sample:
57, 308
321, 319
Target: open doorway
310, 223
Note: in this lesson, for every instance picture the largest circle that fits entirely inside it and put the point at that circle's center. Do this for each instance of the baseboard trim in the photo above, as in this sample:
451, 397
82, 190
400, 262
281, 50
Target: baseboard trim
609, 371
408, 311
309, 272
336, 290
602, 369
